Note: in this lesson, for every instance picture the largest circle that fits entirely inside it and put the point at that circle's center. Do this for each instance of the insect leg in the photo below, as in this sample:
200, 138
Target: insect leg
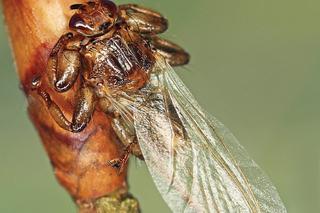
86, 101
82, 114
120, 163
129, 140
67, 70
175, 55
143, 20
126, 136
64, 63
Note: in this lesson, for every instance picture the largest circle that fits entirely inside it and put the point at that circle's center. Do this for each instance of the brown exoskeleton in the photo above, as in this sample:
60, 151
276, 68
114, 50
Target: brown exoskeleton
111, 49
124, 70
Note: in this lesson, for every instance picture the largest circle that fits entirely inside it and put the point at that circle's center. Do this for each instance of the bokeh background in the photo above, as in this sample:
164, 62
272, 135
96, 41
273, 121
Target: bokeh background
255, 65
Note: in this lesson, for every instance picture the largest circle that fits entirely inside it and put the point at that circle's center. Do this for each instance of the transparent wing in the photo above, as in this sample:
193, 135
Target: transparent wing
196, 163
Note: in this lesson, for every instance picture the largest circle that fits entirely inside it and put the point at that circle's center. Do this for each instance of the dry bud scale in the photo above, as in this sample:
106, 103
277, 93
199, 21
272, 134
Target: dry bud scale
116, 65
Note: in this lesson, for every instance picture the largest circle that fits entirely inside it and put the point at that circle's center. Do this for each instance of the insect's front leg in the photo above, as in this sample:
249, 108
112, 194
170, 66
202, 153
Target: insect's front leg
143, 20
64, 62
81, 115
175, 55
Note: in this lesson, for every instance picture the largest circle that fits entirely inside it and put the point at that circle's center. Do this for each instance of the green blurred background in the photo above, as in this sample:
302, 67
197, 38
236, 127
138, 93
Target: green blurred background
255, 65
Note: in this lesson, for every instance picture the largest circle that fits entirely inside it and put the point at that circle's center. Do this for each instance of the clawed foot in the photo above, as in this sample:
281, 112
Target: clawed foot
120, 163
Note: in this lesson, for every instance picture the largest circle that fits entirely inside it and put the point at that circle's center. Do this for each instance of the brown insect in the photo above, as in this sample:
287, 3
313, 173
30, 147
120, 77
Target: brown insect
125, 70
111, 48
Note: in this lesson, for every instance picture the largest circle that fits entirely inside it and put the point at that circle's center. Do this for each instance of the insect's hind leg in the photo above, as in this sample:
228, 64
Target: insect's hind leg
175, 55
143, 20
129, 140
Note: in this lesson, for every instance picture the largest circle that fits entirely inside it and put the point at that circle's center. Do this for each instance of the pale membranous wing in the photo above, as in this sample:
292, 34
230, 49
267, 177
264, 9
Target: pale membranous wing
195, 162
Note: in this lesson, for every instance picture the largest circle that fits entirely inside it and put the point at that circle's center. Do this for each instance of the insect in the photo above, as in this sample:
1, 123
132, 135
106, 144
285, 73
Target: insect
125, 69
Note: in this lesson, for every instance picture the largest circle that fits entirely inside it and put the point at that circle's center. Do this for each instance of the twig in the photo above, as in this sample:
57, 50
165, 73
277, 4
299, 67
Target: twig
79, 160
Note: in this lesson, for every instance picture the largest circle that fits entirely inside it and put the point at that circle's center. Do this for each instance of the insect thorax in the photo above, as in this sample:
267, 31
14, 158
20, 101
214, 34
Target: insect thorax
119, 61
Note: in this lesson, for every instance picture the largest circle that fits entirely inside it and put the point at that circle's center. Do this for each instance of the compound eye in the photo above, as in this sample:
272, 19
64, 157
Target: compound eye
110, 6
77, 22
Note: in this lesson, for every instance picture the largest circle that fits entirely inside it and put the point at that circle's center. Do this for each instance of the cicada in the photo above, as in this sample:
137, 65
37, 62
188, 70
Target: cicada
125, 70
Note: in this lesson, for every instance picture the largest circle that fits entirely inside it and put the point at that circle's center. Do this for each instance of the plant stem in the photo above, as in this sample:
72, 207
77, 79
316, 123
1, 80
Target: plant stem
79, 160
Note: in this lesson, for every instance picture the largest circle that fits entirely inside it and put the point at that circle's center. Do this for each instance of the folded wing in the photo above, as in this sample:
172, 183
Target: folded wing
196, 163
